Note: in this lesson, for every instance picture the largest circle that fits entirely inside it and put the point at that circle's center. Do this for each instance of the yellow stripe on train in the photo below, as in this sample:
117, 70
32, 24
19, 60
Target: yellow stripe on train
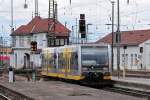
107, 77
77, 77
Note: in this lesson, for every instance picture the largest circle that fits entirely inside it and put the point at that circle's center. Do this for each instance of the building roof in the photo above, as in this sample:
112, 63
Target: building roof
40, 25
135, 37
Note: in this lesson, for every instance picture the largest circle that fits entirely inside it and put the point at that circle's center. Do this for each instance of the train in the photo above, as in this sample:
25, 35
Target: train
82, 62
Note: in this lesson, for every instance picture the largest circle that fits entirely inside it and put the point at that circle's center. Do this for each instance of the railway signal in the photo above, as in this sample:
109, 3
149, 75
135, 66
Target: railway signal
82, 26
33, 46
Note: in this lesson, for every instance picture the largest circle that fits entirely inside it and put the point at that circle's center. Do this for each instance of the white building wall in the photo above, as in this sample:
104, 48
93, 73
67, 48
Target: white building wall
130, 64
18, 58
22, 46
146, 54
11, 59
135, 59
41, 40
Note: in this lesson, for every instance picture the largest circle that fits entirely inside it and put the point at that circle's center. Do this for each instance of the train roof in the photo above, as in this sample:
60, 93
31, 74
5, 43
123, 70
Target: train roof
74, 45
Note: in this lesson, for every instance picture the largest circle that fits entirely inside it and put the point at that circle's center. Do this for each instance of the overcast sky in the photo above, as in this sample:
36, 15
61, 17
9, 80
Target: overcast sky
134, 15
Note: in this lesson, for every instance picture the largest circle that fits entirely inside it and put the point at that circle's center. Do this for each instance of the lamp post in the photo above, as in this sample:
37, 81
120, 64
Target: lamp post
1, 51
118, 38
112, 45
12, 28
87, 26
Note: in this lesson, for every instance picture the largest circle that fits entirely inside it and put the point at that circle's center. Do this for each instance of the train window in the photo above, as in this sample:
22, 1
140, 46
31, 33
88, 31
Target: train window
97, 58
74, 61
61, 61
94, 57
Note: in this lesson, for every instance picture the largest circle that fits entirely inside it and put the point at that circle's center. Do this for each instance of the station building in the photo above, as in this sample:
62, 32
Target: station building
46, 32
134, 50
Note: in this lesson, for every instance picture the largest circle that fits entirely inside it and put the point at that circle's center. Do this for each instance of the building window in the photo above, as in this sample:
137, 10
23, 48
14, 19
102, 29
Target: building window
28, 40
131, 61
57, 42
61, 41
140, 61
149, 60
14, 41
135, 60
125, 60
21, 41
52, 42
40, 42
122, 60
35, 38
66, 41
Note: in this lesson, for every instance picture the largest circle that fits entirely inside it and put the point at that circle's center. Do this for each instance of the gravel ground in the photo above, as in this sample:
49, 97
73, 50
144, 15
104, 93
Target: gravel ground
56, 90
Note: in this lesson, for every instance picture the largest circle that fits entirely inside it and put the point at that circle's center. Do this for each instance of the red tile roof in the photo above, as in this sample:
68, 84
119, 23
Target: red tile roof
129, 37
39, 25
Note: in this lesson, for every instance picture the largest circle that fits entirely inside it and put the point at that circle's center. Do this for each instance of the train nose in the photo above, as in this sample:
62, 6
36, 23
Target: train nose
93, 76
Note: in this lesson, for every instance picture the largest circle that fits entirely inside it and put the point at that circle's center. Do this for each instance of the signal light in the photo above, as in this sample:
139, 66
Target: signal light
82, 26
33, 46
83, 35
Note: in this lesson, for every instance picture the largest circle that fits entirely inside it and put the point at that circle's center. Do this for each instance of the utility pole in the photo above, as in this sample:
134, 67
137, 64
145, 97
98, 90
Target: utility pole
56, 11
72, 37
112, 45
1, 50
36, 8
12, 17
118, 38
77, 34
87, 26
52, 14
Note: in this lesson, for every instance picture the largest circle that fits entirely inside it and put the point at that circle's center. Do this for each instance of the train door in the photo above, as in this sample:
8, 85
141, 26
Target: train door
55, 61
67, 58
52, 63
74, 63
45, 62
62, 65
68, 63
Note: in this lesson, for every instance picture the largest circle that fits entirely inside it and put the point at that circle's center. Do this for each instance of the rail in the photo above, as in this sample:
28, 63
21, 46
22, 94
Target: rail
3, 97
127, 91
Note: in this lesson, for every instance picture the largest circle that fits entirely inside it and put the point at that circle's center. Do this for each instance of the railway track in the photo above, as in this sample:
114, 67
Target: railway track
3, 97
127, 91
121, 90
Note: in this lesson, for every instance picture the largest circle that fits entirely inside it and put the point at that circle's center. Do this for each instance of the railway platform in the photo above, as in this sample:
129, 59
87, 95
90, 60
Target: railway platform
57, 90
133, 82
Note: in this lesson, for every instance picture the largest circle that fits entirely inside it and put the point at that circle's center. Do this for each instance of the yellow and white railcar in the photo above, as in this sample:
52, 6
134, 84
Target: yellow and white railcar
77, 62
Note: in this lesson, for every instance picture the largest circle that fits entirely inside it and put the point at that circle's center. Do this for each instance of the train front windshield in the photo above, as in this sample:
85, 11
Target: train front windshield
94, 57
